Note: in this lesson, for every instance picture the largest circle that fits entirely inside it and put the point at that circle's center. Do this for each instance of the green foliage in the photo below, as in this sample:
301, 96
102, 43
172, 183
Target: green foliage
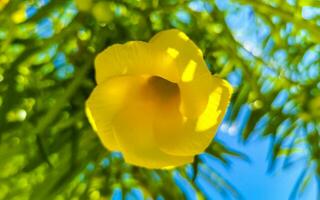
49, 151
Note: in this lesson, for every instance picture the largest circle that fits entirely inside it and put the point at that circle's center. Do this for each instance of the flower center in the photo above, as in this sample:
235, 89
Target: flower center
163, 88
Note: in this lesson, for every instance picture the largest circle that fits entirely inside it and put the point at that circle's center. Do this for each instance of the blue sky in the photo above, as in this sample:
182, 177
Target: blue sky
252, 179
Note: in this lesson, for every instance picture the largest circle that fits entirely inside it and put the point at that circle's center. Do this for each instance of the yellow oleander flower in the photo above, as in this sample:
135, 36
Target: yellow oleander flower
156, 102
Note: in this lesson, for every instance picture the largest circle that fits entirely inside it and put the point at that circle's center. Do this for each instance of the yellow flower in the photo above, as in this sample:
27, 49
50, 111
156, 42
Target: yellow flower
156, 102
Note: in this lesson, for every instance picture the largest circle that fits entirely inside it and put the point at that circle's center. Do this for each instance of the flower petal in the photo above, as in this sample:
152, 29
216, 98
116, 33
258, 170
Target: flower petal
105, 101
192, 70
178, 135
134, 131
133, 58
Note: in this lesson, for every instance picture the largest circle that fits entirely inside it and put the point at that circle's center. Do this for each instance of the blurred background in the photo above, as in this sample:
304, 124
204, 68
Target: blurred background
267, 148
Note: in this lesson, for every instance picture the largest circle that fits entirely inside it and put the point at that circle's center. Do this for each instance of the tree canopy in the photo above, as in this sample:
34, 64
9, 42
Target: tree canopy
268, 50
